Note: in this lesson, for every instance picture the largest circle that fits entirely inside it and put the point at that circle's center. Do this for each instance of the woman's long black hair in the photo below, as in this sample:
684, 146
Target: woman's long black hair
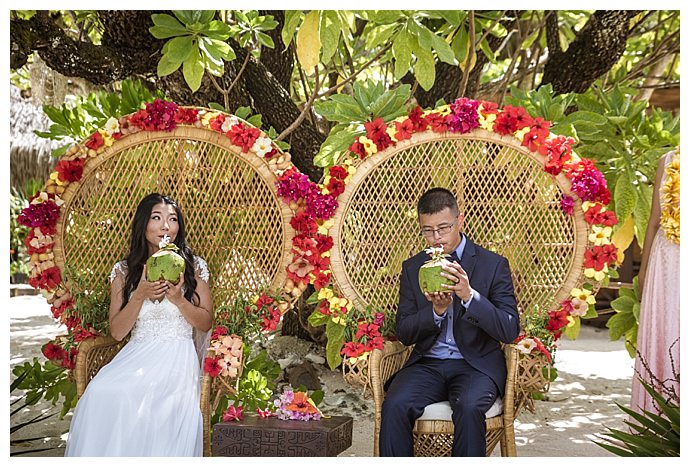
139, 250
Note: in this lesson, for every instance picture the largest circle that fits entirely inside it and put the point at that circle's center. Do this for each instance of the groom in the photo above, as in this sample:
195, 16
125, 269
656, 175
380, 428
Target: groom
457, 334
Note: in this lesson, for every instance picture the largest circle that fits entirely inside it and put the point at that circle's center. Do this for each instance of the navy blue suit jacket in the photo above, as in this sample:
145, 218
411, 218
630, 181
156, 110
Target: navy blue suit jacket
478, 329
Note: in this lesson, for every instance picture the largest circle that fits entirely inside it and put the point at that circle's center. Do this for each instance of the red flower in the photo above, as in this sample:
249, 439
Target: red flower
303, 223
537, 134
417, 119
323, 243
216, 123
351, 349
374, 343
438, 122
596, 258
512, 119
218, 332
70, 170
489, 108
43, 214
95, 141
338, 171
558, 319
212, 367
321, 279
263, 300
234, 414
243, 136
264, 413
47, 280
188, 116
366, 329
53, 352
335, 187
70, 361
376, 131
404, 130
358, 148
609, 253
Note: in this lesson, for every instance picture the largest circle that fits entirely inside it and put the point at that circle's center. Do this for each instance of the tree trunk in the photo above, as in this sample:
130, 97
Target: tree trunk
597, 47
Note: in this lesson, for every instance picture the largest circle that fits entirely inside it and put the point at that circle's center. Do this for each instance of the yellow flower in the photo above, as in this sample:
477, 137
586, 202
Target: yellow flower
108, 140
596, 275
325, 293
443, 110
369, 146
338, 320
354, 360
487, 122
586, 205
208, 116
325, 226
56, 177
391, 132
583, 295
670, 200
520, 134
600, 235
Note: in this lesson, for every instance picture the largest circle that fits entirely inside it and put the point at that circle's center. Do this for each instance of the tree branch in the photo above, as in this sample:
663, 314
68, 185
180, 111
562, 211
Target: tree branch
470, 54
307, 108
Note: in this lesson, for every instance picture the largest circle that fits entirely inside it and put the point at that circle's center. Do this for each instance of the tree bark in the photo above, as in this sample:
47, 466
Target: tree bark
279, 61
597, 47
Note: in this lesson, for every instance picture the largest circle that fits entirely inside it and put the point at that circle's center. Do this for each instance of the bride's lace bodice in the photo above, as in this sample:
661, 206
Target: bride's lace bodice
161, 320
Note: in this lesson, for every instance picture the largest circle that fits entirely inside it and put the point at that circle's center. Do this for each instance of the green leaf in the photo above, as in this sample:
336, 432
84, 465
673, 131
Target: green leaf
317, 397
167, 66
338, 141
402, 53
340, 108
623, 304
193, 70
619, 324
625, 197
180, 48
642, 210
572, 331
486, 48
460, 44
424, 67
317, 319
166, 26
265, 40
334, 334
217, 30
292, 19
391, 104
330, 34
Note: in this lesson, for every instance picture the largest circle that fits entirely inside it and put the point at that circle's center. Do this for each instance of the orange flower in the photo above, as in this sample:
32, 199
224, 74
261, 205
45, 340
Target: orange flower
301, 403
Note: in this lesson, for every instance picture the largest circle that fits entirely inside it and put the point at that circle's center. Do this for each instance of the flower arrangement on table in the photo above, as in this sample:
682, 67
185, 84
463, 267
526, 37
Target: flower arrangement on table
587, 183
289, 405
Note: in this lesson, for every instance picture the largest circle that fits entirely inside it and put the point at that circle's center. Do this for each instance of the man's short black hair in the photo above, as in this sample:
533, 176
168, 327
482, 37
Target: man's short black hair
436, 200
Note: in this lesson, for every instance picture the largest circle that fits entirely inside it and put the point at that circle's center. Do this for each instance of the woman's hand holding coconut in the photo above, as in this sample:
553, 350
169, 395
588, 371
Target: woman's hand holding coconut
152, 290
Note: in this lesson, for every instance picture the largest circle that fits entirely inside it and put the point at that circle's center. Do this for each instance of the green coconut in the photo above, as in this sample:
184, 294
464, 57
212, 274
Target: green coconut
430, 278
165, 264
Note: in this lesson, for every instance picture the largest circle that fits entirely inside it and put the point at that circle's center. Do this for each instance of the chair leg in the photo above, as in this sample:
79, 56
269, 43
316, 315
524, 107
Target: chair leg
508, 448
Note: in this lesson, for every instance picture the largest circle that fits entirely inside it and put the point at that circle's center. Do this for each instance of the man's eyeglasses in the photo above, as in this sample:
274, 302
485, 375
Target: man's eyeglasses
441, 231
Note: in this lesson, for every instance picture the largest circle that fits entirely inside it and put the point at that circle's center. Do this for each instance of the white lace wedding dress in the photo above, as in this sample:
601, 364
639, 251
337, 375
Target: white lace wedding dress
145, 402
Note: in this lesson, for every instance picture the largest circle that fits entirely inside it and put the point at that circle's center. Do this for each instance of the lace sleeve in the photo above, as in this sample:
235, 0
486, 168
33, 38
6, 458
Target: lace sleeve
202, 268
119, 266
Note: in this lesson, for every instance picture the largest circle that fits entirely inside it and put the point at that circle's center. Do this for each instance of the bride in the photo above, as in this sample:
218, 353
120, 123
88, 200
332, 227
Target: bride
145, 402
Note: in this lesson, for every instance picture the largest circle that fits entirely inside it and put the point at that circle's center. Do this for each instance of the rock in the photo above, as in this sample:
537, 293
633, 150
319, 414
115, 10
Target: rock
316, 359
304, 375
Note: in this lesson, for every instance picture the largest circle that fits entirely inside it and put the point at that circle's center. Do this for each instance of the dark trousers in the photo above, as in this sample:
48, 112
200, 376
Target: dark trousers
470, 392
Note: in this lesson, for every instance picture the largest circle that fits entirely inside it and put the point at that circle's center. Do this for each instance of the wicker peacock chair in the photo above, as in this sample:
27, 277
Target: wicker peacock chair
511, 206
234, 219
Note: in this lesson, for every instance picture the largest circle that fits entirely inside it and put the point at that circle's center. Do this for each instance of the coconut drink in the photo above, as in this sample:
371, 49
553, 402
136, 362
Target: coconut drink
430, 278
165, 264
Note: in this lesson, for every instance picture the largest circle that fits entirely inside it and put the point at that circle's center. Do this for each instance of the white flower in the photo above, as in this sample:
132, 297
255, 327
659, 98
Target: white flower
164, 241
526, 345
580, 307
262, 146
111, 126
229, 123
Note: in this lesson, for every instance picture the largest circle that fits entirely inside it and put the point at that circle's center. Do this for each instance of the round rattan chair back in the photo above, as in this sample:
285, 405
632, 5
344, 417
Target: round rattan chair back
234, 219
511, 206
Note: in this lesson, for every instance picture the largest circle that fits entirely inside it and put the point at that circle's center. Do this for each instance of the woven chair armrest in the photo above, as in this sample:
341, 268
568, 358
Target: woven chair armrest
92, 355
383, 364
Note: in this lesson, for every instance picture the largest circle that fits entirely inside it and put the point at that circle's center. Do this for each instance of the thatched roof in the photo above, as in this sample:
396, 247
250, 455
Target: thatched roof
30, 156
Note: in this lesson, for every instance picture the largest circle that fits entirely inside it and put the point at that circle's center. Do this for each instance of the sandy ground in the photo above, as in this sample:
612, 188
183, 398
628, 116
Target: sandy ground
594, 374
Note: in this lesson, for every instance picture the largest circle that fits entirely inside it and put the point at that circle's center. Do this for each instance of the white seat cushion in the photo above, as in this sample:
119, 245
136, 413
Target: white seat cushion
442, 411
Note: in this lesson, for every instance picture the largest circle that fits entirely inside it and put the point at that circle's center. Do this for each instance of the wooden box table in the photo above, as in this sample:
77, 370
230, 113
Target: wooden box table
272, 437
